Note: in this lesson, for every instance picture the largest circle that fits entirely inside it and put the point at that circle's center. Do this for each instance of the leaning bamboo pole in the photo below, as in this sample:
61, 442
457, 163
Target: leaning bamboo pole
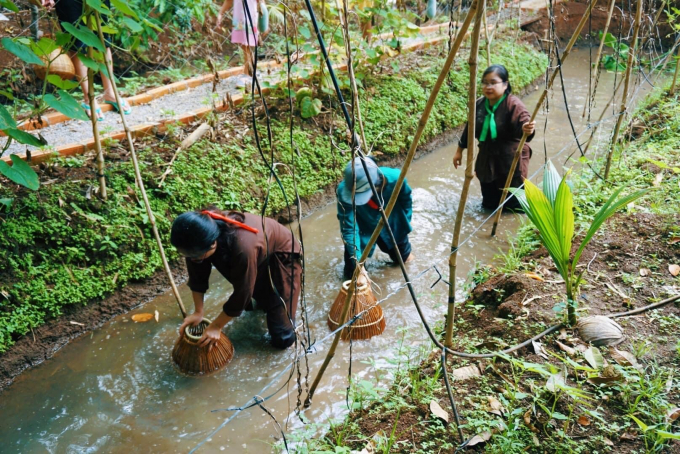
138, 173
469, 173
596, 71
675, 76
395, 193
541, 99
487, 45
95, 126
626, 86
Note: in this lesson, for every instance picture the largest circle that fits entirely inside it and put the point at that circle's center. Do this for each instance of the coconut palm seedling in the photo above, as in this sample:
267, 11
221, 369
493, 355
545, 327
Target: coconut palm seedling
551, 212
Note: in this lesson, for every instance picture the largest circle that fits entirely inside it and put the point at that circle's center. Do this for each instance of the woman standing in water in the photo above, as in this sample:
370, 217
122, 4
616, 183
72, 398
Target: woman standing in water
258, 256
501, 120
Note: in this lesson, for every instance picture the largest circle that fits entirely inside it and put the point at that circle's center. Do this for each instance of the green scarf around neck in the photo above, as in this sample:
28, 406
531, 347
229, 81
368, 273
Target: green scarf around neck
490, 119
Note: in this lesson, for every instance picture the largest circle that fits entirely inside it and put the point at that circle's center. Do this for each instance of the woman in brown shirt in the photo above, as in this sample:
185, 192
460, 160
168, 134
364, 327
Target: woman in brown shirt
257, 255
500, 122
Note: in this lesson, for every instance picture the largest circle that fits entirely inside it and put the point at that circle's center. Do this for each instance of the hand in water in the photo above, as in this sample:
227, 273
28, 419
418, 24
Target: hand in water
193, 320
210, 337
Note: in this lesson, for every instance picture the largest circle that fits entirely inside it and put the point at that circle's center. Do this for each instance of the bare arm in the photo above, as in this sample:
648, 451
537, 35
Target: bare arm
223, 10
458, 157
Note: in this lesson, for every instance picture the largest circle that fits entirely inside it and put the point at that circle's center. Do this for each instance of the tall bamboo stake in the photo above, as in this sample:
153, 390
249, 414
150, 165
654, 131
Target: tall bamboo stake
675, 76
95, 127
596, 70
395, 193
469, 174
626, 85
487, 38
138, 173
541, 99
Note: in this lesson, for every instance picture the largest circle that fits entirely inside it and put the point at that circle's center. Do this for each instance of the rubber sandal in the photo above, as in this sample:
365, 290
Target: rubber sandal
126, 111
100, 114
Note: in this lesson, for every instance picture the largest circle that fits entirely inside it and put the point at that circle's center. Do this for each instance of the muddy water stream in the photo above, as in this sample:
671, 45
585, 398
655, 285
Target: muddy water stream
115, 389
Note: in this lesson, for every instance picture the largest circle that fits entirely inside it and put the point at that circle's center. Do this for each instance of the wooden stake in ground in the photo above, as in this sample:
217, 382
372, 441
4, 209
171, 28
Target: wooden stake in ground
626, 86
95, 126
595, 74
186, 143
541, 99
397, 189
675, 76
138, 174
469, 172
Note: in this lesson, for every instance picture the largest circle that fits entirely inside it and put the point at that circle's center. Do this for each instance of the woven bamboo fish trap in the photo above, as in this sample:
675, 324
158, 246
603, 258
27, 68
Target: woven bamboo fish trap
194, 360
61, 65
370, 324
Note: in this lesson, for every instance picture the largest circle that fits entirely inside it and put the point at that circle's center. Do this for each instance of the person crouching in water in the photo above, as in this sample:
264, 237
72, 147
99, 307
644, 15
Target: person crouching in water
236, 245
357, 230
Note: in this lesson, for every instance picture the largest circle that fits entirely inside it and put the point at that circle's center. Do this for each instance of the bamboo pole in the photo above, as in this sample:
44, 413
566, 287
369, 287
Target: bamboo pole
395, 193
138, 173
541, 99
604, 111
487, 45
95, 127
626, 86
675, 76
469, 173
596, 70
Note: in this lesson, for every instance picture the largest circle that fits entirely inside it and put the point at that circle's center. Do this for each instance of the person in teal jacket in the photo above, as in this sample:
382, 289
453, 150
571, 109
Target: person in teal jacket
357, 230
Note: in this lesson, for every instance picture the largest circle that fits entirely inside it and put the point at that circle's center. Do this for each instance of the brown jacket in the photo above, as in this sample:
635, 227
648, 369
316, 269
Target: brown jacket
495, 156
245, 266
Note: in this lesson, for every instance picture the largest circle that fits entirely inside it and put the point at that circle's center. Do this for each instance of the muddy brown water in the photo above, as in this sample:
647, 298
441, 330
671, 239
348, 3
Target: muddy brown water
115, 389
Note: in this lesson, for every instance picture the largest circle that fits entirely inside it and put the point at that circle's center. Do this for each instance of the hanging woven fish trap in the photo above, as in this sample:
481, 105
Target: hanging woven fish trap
59, 64
370, 324
194, 360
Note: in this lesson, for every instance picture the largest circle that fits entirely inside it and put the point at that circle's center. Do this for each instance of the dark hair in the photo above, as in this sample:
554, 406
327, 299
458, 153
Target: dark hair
194, 232
501, 72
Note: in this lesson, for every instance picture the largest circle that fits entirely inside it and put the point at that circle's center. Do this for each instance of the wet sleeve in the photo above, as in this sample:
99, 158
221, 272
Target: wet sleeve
405, 200
243, 277
199, 275
463, 142
519, 115
349, 231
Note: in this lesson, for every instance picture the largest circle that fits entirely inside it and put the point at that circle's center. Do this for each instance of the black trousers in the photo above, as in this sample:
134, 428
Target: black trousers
492, 192
280, 303
403, 248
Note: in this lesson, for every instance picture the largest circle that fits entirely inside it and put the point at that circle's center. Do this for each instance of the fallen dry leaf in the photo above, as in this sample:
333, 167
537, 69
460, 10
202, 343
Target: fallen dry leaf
658, 179
674, 240
674, 269
527, 421
563, 334
141, 318
628, 436
538, 349
481, 438
672, 415
156, 315
608, 442
583, 420
438, 411
534, 276
624, 358
567, 349
463, 373
495, 406
645, 272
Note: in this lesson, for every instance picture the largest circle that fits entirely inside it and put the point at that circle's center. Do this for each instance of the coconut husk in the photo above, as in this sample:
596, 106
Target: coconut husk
194, 360
370, 324
59, 63
600, 330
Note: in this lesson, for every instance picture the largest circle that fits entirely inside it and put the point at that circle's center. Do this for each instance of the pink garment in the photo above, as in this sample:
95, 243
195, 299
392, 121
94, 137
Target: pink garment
244, 31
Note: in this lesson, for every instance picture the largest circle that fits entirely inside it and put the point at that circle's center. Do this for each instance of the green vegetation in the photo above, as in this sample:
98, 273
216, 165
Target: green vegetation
569, 398
62, 246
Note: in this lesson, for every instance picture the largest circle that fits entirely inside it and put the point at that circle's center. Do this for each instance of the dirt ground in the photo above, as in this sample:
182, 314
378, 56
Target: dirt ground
627, 268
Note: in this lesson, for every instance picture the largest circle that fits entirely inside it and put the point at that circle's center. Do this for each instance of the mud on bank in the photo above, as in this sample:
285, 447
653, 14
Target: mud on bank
62, 250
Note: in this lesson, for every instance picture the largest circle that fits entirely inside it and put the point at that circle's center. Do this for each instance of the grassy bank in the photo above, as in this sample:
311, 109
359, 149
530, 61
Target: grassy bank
62, 246
561, 395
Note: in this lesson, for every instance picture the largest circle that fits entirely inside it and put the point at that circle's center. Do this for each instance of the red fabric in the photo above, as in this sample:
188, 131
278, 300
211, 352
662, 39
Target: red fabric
373, 205
230, 221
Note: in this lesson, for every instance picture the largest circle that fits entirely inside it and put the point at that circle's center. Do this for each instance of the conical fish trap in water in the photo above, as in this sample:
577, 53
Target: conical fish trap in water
194, 360
370, 324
